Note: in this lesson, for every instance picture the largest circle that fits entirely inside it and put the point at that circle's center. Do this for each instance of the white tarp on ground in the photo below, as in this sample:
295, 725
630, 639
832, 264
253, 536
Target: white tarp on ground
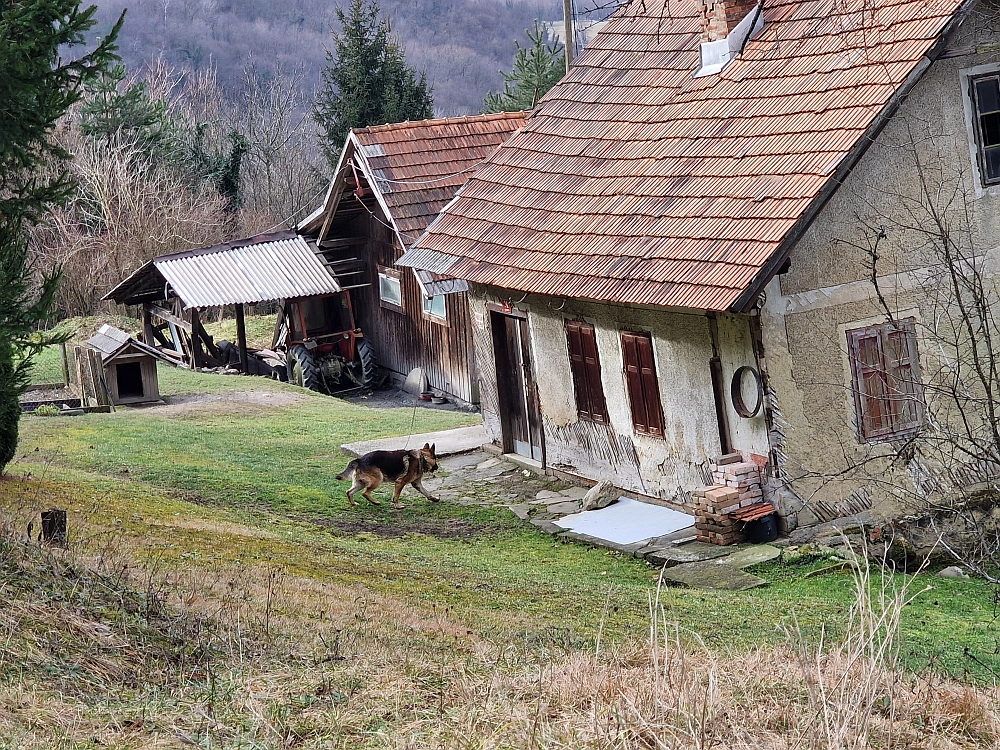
626, 522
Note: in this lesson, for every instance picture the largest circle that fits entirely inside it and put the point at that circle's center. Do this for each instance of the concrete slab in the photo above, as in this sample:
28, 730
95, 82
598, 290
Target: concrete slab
447, 442
520, 510
712, 575
564, 508
547, 526
548, 495
761, 553
671, 555
575, 493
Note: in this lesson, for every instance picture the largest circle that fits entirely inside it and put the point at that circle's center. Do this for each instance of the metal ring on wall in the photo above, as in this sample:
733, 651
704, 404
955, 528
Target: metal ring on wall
736, 392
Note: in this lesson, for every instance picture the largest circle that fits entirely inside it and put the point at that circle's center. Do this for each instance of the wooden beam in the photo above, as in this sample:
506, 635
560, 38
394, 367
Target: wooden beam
339, 187
341, 242
197, 356
241, 338
170, 317
147, 326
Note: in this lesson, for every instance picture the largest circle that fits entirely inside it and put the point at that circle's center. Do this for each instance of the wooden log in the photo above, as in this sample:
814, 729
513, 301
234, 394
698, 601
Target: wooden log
86, 389
241, 338
54, 527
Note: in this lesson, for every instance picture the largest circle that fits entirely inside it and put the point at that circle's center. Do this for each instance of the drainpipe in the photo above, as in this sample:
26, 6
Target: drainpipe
719, 386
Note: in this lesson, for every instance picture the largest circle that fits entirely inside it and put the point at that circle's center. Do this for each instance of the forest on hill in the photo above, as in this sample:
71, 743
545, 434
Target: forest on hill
461, 44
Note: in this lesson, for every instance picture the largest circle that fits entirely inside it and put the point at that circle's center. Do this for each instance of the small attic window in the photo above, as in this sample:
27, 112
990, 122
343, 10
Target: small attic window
721, 42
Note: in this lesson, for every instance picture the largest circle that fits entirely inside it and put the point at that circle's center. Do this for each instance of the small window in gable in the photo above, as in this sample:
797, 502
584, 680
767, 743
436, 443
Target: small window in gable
390, 290
888, 398
986, 102
643, 386
586, 368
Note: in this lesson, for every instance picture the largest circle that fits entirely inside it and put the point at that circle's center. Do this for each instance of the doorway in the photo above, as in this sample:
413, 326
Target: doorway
519, 413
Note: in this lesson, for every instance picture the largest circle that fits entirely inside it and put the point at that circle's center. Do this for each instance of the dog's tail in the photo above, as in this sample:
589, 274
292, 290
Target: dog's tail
349, 470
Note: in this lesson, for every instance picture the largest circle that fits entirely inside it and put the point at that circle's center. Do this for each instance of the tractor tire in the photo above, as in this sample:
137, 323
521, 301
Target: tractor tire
302, 369
365, 355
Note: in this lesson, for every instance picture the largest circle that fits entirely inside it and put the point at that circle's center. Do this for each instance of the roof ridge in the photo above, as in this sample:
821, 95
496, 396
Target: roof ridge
487, 117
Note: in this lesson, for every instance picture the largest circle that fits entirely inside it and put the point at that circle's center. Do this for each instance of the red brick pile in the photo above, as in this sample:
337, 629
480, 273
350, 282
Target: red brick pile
737, 486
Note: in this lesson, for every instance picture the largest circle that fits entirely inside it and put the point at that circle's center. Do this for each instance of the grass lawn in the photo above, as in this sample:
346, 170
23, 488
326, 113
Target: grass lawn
273, 467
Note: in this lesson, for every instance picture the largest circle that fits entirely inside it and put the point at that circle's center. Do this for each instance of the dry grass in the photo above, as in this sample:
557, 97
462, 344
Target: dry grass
108, 644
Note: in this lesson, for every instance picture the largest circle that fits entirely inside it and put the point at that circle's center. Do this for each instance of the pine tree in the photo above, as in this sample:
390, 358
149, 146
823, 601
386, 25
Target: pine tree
366, 80
537, 68
36, 88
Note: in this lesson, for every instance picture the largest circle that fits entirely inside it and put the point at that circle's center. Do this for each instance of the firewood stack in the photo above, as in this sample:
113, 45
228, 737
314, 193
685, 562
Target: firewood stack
723, 508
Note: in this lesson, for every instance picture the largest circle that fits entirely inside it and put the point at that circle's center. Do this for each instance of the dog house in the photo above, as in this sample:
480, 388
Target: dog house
129, 366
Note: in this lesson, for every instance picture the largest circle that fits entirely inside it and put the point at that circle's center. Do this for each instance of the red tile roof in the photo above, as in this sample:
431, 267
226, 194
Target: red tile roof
418, 166
636, 182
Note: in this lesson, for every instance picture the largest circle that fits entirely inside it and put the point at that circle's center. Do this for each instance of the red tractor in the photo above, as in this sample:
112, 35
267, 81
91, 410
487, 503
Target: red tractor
324, 350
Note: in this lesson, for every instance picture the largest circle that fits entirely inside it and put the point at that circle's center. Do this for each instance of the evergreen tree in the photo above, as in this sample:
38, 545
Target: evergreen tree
366, 80
537, 68
36, 89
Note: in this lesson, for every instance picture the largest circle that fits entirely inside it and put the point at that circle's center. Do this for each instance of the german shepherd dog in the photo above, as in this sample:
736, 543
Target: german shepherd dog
399, 467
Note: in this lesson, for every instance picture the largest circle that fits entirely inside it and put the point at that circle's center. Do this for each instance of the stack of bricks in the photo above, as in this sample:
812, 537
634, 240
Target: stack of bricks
741, 475
736, 485
712, 521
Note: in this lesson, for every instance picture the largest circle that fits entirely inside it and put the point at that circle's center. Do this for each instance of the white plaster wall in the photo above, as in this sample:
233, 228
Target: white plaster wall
668, 467
749, 435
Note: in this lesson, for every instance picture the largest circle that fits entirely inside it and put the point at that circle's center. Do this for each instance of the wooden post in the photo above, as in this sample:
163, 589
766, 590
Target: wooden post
54, 527
570, 42
147, 326
101, 392
82, 368
65, 363
196, 356
241, 338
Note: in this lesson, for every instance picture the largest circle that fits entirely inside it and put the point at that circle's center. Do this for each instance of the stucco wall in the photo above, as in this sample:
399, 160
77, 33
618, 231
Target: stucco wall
918, 167
666, 468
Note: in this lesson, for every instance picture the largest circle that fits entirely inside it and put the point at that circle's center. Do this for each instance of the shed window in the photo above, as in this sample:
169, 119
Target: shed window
986, 100
435, 307
643, 387
390, 290
888, 399
586, 367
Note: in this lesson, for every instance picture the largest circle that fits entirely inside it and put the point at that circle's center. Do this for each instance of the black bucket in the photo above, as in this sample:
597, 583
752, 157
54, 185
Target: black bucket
762, 530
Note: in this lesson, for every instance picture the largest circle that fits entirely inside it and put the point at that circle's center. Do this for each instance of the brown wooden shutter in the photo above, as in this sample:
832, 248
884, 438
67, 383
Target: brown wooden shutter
643, 387
887, 393
586, 368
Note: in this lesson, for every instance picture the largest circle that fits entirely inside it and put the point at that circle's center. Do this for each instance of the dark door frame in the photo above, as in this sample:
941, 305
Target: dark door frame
517, 392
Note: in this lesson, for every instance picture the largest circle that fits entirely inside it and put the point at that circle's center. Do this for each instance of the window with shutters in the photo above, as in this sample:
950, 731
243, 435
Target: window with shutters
586, 367
643, 387
888, 399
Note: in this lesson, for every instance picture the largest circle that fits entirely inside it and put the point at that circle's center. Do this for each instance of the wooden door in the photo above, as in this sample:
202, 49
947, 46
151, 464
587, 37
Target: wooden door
519, 413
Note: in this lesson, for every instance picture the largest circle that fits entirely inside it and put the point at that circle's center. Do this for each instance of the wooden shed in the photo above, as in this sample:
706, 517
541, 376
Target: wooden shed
129, 366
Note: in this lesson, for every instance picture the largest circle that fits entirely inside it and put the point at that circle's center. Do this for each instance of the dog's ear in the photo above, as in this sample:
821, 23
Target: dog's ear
432, 449
427, 447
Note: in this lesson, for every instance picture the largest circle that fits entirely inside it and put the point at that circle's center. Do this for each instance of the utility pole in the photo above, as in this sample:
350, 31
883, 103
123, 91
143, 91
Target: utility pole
569, 40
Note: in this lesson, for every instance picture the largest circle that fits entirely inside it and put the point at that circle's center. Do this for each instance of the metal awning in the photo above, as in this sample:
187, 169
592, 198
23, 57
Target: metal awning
433, 284
268, 267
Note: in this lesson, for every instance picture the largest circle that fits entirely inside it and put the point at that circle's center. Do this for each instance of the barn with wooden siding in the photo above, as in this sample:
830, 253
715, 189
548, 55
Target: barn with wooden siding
391, 183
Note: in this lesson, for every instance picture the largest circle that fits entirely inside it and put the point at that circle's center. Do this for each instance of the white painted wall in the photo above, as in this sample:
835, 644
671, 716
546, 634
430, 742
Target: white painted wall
667, 467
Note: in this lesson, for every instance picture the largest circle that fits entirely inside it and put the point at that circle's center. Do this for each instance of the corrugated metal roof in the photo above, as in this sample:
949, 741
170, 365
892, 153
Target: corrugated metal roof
265, 268
635, 182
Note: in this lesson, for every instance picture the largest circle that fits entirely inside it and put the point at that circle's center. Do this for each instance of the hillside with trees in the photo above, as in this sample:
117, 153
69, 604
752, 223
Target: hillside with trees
461, 44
